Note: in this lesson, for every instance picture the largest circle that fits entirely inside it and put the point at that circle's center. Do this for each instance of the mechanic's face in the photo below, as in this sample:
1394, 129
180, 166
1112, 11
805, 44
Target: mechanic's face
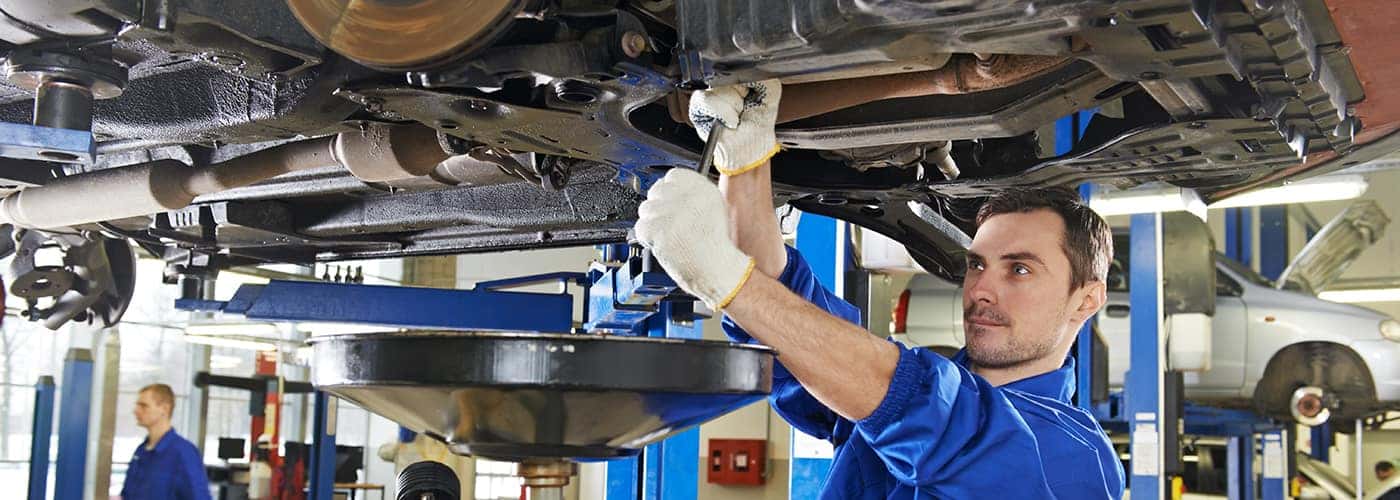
148, 411
1017, 305
1385, 474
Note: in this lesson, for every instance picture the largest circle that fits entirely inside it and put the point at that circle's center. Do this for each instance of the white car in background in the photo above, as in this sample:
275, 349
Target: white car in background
1269, 345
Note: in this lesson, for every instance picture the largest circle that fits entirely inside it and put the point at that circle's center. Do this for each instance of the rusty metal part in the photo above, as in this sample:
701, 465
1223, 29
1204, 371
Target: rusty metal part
545, 473
464, 170
634, 44
962, 75
404, 34
380, 152
152, 187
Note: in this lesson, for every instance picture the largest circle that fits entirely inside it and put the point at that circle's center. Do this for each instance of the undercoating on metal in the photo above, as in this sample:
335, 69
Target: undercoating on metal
1191, 152
513, 396
596, 128
1007, 112
1287, 49
1267, 81
264, 223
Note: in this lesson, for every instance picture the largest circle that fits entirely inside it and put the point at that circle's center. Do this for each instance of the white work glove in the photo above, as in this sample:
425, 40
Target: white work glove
750, 112
684, 223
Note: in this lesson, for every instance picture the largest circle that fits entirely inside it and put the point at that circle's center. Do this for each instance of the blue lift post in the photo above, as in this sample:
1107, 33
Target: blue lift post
1239, 241
397, 305
1273, 240
624, 302
1273, 481
42, 433
73, 425
822, 241
1239, 235
1273, 258
1068, 131
322, 463
1084, 344
673, 465
1143, 386
670, 469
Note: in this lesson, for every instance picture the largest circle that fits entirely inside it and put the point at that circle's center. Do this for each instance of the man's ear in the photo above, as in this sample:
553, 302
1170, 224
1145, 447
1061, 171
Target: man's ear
1092, 297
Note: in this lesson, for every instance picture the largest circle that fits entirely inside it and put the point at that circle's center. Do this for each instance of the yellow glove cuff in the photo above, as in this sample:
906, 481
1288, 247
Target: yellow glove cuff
748, 271
752, 166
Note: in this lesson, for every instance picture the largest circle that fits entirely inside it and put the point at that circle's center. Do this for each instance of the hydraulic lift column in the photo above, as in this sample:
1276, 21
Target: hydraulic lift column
1144, 382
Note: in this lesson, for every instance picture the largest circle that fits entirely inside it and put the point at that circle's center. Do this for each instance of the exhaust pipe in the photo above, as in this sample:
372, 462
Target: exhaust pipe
375, 154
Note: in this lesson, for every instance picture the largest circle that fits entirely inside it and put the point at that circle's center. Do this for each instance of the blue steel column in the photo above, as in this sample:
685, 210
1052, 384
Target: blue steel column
1143, 387
1084, 345
39, 446
624, 479
820, 240
73, 425
1274, 481
1273, 258
670, 469
1067, 133
1239, 235
1273, 240
1322, 442
672, 465
1239, 468
322, 464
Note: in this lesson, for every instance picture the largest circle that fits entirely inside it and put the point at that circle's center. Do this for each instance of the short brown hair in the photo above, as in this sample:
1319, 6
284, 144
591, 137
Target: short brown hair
162, 393
1092, 250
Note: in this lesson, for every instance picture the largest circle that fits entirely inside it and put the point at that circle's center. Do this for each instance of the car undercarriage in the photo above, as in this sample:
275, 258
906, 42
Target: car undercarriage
227, 133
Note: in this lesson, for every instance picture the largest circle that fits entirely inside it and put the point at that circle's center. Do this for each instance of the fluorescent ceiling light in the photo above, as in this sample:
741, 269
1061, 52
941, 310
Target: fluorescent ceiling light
1325, 188
227, 328
1358, 296
1171, 198
230, 342
1147, 200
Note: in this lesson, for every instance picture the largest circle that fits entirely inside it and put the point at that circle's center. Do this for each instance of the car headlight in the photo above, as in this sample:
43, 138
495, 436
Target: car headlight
1390, 329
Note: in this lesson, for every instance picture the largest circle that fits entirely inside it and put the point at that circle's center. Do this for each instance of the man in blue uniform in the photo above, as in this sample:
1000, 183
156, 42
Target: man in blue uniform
996, 421
165, 466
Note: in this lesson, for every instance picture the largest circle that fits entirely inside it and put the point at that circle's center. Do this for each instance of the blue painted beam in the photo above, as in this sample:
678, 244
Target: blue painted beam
39, 444
624, 479
400, 306
1084, 344
1273, 481
821, 241
1239, 468
322, 465
1322, 442
670, 469
1143, 385
75, 402
1273, 240
1239, 235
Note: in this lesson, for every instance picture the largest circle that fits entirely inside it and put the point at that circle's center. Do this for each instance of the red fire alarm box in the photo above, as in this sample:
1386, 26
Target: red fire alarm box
737, 461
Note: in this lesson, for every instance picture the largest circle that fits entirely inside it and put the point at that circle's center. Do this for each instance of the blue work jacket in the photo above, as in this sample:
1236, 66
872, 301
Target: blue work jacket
173, 470
943, 432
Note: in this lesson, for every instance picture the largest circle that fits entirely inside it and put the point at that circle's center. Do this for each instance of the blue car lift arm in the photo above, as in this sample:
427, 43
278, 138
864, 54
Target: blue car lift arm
410, 307
629, 295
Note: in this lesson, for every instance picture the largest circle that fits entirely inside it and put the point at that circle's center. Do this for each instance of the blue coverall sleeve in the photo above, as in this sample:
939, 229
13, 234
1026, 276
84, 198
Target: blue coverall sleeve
192, 483
797, 406
938, 422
